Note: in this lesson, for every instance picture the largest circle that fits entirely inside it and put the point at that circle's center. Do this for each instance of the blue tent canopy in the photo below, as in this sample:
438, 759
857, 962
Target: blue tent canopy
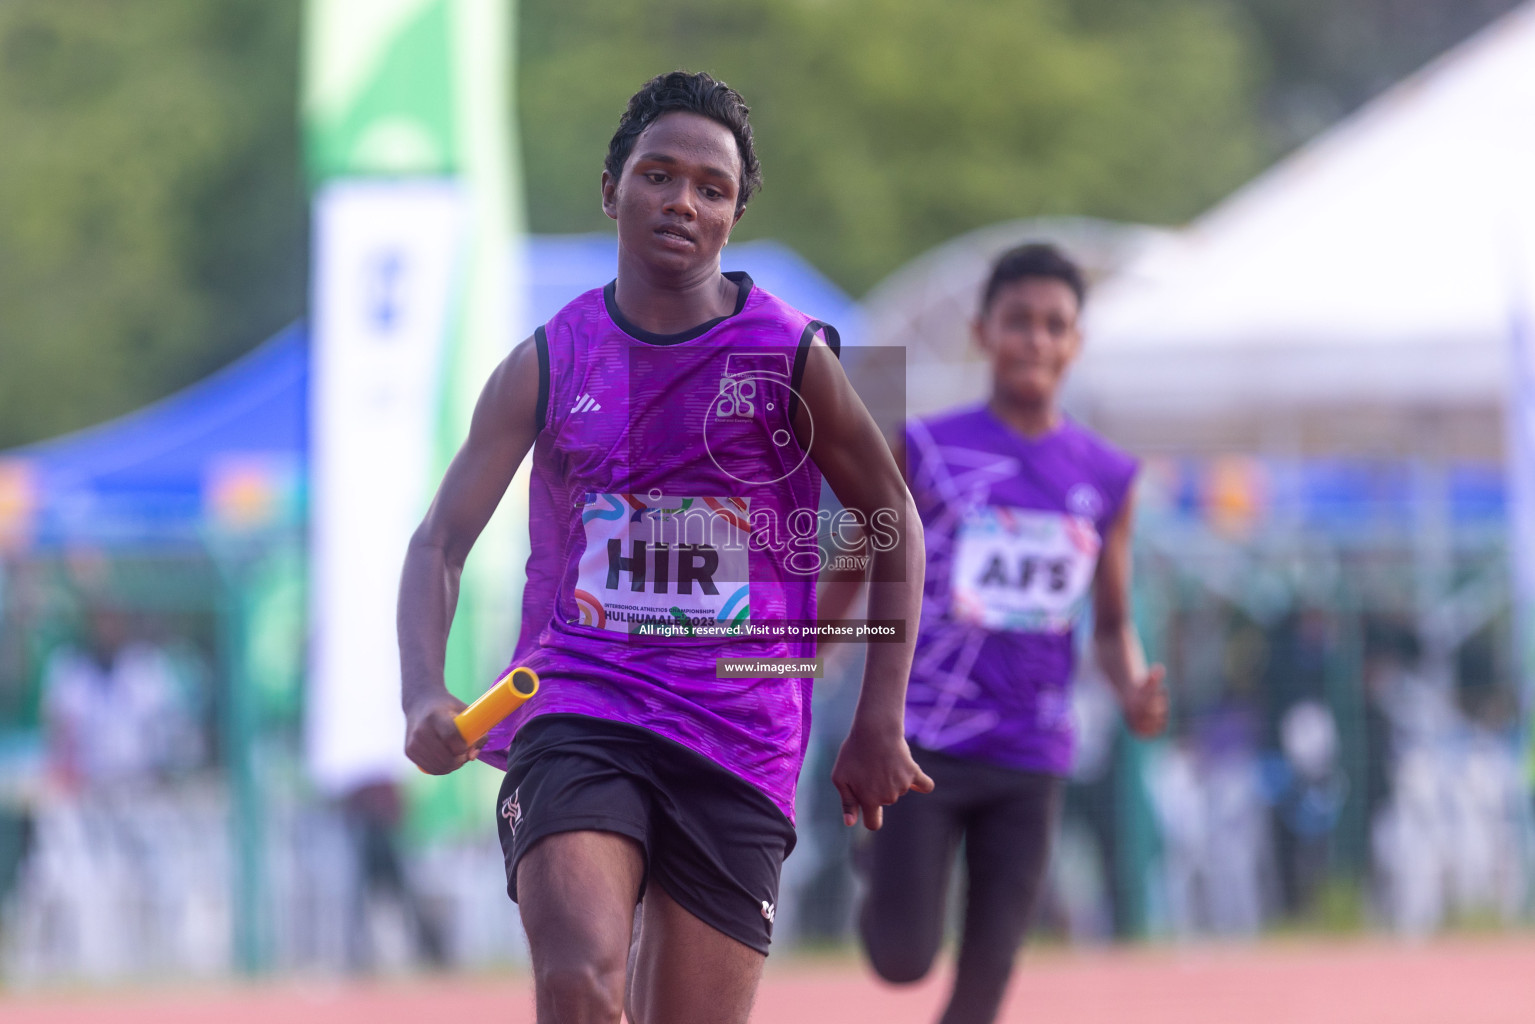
151, 476
231, 450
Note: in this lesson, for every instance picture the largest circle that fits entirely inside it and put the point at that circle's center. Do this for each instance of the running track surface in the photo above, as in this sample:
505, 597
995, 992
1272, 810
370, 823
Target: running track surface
1451, 981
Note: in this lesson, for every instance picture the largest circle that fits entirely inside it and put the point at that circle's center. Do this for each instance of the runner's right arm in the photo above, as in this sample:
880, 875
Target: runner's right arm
502, 430
1142, 694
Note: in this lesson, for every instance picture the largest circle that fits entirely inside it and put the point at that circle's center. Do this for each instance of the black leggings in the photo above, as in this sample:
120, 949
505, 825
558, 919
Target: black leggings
1005, 818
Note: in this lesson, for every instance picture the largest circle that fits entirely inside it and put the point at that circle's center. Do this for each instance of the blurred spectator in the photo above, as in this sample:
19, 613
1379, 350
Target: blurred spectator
1451, 840
111, 884
1178, 801
116, 712
1240, 854
1308, 791
373, 812
1080, 888
1207, 796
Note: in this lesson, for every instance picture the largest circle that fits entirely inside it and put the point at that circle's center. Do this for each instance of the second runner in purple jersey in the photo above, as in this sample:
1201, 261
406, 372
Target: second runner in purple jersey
1026, 519
1014, 527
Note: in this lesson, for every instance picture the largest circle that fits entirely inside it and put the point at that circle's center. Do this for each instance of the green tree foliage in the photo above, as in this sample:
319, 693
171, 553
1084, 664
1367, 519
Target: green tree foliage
886, 127
151, 207
152, 211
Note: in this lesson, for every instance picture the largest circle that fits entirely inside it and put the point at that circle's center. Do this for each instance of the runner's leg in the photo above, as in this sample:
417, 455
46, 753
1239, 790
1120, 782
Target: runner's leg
686, 972
577, 892
1007, 846
910, 859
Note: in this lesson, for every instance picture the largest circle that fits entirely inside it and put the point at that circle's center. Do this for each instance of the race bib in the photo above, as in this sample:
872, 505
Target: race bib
664, 567
1022, 570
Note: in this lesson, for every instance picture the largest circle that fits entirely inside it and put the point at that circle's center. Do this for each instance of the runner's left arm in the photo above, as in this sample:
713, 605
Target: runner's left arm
1116, 643
875, 766
841, 589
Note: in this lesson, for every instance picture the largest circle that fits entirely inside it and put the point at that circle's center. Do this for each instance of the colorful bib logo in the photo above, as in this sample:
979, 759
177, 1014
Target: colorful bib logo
662, 566
1022, 569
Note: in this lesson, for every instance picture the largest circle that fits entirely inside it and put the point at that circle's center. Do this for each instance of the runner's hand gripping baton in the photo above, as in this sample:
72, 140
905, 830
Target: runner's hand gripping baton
510, 693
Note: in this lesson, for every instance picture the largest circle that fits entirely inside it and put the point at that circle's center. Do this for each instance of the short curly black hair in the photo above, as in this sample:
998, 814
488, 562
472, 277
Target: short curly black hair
693, 93
1037, 259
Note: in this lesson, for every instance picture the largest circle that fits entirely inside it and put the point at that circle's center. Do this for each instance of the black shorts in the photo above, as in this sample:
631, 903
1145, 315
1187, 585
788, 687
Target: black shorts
713, 841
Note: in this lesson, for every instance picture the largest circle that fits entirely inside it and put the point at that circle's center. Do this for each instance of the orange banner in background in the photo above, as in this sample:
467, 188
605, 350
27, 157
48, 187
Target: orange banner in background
18, 503
1235, 494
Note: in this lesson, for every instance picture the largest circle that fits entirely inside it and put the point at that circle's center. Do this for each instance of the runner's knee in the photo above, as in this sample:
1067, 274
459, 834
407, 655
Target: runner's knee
897, 955
579, 989
900, 965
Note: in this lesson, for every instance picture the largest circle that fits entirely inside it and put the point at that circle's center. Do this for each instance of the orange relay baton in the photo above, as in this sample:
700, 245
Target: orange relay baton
510, 693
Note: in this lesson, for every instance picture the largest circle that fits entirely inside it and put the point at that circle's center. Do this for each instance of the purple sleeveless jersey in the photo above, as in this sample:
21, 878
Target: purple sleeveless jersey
1013, 530
673, 517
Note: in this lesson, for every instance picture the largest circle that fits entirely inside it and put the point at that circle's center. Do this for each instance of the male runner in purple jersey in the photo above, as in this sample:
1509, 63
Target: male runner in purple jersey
680, 421
1025, 514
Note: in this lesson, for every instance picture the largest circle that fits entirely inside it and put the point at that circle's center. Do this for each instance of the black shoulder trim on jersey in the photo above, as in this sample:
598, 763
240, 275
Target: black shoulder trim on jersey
806, 339
744, 286
541, 343
833, 339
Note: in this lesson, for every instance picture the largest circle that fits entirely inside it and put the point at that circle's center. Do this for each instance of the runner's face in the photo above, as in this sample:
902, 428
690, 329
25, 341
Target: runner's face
675, 201
1030, 333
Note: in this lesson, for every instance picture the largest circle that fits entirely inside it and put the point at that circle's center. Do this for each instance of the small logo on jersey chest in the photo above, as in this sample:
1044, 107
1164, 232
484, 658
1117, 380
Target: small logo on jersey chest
586, 403
1084, 500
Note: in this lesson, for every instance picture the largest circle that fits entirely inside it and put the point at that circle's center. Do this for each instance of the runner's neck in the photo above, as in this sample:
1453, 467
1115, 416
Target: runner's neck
1033, 420
673, 310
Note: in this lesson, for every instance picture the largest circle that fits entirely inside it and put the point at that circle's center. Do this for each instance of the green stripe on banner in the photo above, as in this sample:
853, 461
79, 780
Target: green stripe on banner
381, 91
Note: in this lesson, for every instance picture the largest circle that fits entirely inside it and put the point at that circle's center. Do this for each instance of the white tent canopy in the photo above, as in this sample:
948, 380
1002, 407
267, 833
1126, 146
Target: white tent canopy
926, 307
1372, 275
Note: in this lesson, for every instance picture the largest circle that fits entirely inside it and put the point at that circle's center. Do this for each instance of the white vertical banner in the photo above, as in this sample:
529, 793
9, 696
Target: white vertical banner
387, 276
